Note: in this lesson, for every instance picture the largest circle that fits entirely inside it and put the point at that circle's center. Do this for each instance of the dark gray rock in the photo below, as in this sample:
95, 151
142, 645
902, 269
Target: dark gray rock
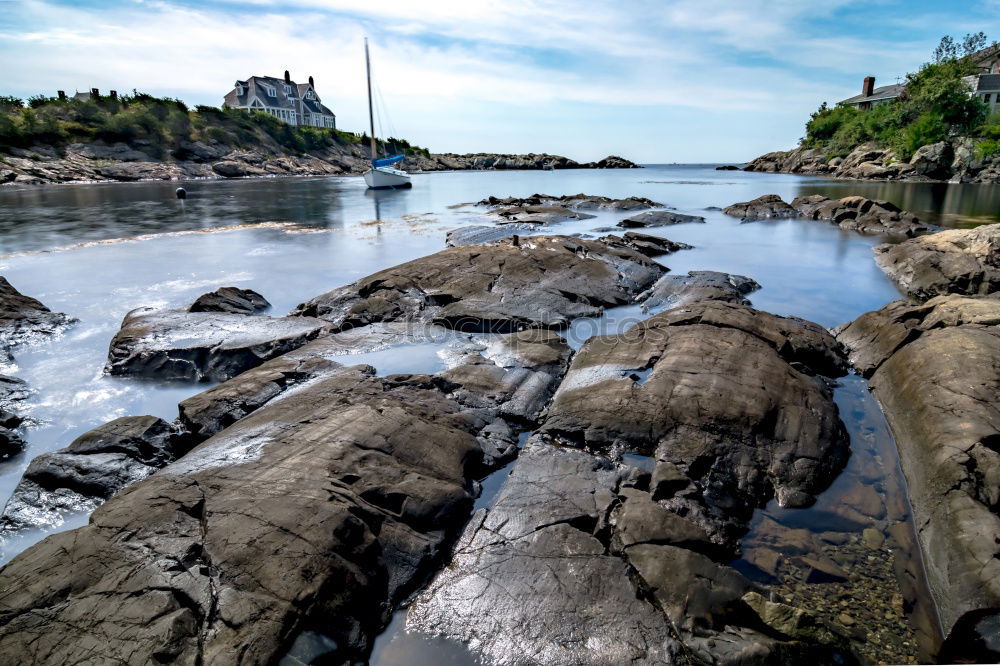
541, 215
544, 282
956, 261
202, 346
569, 551
318, 513
763, 207
12, 391
10, 443
572, 201
725, 394
673, 290
651, 246
933, 370
856, 213
91, 469
230, 299
658, 218
23, 318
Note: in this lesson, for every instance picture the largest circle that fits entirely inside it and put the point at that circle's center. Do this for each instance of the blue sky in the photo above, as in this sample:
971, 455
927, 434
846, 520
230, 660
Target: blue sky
669, 81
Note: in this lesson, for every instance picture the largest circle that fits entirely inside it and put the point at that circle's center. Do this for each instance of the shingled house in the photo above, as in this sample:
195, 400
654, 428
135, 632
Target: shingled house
294, 103
985, 85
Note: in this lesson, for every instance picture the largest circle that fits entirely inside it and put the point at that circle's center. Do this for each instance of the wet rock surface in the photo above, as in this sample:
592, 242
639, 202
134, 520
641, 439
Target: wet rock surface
956, 261
860, 214
764, 207
23, 318
90, 470
543, 282
540, 215
574, 564
933, 367
479, 234
658, 218
727, 399
232, 300
202, 346
317, 512
674, 290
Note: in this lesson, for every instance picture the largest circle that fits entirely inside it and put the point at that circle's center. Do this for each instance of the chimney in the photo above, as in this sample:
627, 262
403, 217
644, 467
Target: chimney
288, 78
114, 94
94, 92
311, 82
868, 87
61, 93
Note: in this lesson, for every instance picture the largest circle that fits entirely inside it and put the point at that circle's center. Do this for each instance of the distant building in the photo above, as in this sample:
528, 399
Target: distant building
985, 85
294, 103
87, 96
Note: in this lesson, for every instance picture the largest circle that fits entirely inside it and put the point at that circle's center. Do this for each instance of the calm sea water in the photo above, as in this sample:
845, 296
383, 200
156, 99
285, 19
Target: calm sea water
98, 251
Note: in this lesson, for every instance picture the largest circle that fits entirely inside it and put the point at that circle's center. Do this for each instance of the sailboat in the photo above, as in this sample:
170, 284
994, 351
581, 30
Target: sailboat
382, 175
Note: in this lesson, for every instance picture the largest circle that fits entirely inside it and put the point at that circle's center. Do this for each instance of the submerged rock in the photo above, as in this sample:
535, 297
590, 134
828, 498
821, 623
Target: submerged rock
318, 513
728, 396
23, 318
91, 469
933, 368
658, 218
230, 299
860, 214
673, 290
651, 246
763, 207
569, 550
544, 282
574, 201
202, 346
956, 261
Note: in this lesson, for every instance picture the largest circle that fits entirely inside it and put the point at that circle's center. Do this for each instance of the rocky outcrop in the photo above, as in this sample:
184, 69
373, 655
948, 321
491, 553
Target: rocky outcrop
479, 234
543, 282
202, 346
535, 215
956, 261
23, 318
763, 207
576, 563
658, 218
90, 470
320, 512
12, 392
860, 214
651, 246
573, 201
674, 290
956, 160
232, 300
97, 161
727, 399
933, 368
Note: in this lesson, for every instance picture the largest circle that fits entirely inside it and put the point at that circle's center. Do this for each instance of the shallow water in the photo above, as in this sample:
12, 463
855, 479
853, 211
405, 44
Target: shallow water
98, 251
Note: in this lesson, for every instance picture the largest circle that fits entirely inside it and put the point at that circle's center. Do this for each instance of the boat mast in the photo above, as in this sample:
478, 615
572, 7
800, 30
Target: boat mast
371, 116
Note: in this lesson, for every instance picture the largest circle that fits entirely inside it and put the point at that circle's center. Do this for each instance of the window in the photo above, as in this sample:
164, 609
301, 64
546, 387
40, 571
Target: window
986, 98
288, 90
271, 92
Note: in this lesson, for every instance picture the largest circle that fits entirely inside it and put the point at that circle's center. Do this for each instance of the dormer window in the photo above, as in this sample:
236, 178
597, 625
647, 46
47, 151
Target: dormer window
288, 90
271, 92
310, 95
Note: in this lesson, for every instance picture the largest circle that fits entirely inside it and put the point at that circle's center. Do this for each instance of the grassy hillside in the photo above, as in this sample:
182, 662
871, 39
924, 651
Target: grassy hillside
161, 127
934, 106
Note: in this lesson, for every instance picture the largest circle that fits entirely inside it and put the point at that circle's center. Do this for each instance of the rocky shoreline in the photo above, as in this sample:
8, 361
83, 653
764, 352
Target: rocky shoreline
302, 500
952, 161
97, 162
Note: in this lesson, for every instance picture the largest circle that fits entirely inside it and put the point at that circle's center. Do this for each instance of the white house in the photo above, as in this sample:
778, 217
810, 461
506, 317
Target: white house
294, 103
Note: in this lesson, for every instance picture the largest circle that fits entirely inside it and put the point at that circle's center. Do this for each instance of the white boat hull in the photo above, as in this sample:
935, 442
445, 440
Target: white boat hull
386, 178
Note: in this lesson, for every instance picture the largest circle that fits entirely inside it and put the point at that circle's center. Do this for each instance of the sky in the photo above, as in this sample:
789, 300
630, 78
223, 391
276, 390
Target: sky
655, 82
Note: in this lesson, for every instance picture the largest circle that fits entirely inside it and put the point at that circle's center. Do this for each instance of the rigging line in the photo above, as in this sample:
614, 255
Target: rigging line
378, 114
388, 118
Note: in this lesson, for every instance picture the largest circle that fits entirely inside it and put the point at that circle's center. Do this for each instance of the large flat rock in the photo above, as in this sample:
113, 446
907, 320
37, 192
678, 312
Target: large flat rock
572, 201
956, 261
674, 290
855, 213
499, 287
317, 512
727, 399
23, 318
202, 346
935, 369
